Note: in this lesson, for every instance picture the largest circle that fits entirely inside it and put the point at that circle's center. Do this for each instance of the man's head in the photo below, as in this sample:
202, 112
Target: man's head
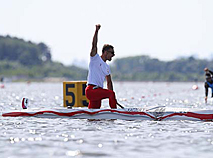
206, 69
108, 52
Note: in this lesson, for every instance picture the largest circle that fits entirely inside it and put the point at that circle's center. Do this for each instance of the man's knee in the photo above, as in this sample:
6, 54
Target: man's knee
95, 104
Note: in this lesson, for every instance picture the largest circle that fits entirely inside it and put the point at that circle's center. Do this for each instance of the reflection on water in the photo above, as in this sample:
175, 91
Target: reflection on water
64, 137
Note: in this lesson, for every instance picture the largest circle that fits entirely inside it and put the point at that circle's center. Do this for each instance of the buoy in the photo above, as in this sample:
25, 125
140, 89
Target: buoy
2, 86
194, 87
24, 103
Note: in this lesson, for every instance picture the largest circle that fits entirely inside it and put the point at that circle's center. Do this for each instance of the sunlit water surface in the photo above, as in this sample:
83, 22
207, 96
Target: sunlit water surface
64, 137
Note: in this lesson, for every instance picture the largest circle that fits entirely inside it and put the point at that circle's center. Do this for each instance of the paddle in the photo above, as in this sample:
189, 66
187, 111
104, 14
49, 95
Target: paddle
120, 105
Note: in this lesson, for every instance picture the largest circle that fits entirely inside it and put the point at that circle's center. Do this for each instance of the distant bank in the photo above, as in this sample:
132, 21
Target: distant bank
26, 60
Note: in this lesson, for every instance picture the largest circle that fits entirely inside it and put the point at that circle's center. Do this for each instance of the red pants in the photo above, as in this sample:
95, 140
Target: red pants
96, 95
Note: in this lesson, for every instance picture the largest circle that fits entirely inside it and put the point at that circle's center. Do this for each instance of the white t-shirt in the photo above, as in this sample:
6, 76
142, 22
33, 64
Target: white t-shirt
98, 70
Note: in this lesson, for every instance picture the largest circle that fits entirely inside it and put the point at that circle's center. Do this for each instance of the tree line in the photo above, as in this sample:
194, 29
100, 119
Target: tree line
25, 59
144, 68
27, 53
31, 60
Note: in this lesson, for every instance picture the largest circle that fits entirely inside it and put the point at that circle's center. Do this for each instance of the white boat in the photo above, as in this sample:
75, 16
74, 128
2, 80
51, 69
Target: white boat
156, 113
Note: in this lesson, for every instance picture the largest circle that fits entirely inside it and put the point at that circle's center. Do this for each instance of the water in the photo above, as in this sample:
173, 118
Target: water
64, 137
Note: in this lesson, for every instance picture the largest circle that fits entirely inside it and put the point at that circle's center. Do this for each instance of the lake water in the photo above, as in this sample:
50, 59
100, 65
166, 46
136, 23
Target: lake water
63, 137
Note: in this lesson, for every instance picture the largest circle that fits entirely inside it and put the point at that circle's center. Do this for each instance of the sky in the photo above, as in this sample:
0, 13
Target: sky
163, 29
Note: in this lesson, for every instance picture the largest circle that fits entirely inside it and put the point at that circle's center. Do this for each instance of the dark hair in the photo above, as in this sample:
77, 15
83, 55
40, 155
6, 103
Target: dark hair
106, 47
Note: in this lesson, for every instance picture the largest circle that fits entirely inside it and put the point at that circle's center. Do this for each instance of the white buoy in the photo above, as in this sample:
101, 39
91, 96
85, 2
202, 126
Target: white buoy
194, 87
2, 86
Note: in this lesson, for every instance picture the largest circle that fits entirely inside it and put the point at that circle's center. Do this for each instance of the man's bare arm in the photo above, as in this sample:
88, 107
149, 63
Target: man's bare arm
109, 82
95, 41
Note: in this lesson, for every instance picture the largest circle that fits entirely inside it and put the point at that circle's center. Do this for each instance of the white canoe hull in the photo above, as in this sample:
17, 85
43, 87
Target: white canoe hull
156, 113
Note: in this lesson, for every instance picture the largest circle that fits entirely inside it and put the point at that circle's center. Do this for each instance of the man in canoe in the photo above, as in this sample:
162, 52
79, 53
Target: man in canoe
99, 70
209, 82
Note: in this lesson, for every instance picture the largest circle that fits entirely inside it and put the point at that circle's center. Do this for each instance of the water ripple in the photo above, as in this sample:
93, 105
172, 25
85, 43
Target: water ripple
63, 137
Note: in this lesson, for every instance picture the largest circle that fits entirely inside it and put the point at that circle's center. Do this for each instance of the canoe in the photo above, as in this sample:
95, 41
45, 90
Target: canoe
156, 113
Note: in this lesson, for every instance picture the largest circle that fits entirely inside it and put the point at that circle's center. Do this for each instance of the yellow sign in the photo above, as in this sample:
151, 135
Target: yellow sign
74, 94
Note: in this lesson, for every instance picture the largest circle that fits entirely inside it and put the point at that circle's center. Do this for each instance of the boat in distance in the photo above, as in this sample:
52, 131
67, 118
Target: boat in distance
156, 113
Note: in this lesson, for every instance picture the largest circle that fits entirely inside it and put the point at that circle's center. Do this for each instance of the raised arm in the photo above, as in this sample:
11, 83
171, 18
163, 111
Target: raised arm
210, 72
95, 41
